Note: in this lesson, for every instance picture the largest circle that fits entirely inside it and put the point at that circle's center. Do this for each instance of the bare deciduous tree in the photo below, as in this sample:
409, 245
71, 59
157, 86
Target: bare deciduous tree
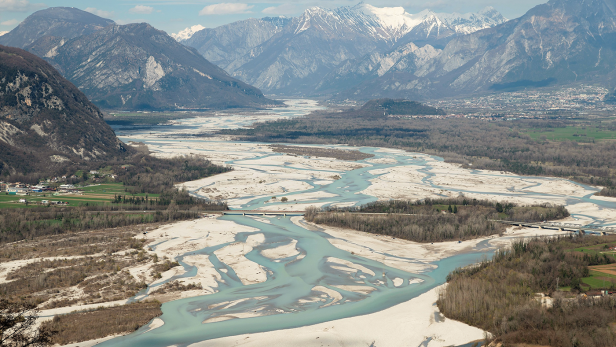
18, 328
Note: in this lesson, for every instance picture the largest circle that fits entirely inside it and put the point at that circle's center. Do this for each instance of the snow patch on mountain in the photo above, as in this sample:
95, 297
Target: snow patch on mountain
400, 22
187, 33
392, 23
393, 18
3, 32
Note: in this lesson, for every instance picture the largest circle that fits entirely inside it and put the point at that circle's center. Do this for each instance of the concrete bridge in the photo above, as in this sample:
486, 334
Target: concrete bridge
259, 213
564, 227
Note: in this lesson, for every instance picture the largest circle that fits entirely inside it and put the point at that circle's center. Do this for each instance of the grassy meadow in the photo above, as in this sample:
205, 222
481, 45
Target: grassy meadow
99, 194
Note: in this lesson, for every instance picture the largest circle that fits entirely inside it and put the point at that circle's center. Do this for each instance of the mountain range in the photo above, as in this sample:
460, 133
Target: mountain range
129, 67
364, 52
560, 42
355, 52
295, 55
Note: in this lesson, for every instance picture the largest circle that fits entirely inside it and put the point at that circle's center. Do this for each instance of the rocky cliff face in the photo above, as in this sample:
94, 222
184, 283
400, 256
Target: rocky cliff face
44, 119
138, 67
294, 56
65, 22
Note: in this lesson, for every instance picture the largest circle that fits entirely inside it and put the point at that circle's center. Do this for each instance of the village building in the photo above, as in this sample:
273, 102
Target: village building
17, 191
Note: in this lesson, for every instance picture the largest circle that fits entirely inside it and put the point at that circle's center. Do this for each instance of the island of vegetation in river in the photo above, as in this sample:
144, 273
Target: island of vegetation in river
434, 220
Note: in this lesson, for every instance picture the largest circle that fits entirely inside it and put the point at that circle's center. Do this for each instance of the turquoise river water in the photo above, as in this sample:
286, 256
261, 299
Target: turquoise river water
286, 299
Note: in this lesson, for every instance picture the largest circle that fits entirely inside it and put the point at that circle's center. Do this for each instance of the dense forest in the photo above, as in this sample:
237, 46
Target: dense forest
502, 146
499, 295
400, 107
433, 220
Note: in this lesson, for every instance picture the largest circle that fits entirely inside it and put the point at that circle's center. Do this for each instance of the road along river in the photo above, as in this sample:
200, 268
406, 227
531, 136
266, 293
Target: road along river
264, 274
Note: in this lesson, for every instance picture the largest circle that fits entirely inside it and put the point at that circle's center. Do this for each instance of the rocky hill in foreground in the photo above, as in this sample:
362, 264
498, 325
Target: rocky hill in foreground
45, 121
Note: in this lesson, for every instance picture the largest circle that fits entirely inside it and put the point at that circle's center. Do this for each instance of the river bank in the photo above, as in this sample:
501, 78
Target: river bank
271, 279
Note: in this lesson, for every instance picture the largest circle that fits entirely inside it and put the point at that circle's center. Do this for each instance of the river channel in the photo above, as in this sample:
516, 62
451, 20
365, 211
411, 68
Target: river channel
287, 298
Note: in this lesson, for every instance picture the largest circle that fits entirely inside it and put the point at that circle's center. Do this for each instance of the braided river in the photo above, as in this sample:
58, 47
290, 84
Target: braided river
303, 275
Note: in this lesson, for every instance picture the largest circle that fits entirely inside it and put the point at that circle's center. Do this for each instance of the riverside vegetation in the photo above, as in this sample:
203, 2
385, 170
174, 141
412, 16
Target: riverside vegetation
322, 152
433, 220
149, 185
499, 295
81, 267
101, 322
474, 143
84, 253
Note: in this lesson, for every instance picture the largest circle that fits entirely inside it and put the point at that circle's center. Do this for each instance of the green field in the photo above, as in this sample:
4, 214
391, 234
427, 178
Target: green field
598, 280
597, 250
572, 133
93, 195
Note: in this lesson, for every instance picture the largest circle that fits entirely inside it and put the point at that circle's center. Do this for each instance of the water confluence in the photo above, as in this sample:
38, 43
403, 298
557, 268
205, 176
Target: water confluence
288, 298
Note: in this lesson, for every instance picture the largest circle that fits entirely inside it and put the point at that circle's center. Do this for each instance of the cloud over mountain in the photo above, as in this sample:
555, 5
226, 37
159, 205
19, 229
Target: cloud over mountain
225, 8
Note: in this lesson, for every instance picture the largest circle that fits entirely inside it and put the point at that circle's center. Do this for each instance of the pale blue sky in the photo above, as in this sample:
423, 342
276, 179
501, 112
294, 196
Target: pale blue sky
175, 15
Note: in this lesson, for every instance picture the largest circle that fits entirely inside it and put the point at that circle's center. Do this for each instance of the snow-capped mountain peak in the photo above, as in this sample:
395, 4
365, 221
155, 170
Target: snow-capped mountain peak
394, 18
187, 33
391, 23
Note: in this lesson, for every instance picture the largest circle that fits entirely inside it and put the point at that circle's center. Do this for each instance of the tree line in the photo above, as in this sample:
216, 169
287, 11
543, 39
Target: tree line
499, 296
433, 220
20, 224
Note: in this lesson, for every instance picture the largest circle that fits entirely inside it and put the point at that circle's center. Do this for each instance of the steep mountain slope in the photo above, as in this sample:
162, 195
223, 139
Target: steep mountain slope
295, 60
228, 43
560, 42
408, 58
136, 66
66, 22
437, 29
292, 56
45, 120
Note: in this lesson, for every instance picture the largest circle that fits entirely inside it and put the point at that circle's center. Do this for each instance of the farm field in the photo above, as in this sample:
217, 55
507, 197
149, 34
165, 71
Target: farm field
601, 277
98, 194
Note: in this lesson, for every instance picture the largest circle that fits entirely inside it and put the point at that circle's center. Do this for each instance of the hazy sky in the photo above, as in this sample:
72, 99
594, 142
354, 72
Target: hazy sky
175, 15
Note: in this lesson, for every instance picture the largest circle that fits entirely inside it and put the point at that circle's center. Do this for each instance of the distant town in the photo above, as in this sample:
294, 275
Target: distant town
568, 102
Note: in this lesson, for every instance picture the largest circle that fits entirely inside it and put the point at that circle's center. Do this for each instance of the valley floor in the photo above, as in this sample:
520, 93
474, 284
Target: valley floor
260, 175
